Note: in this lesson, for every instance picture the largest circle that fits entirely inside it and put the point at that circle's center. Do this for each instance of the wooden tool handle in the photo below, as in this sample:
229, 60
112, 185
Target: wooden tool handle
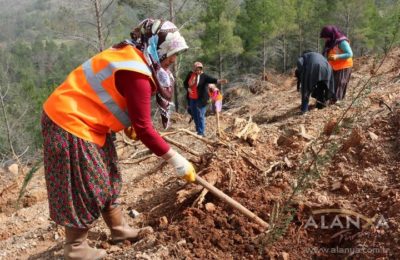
231, 201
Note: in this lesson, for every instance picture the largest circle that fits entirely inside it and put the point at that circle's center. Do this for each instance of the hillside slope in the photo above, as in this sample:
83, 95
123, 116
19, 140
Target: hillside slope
358, 171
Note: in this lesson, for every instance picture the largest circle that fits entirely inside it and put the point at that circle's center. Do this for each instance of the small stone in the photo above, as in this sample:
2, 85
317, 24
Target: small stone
13, 168
373, 136
330, 127
355, 139
105, 245
337, 185
285, 256
126, 243
133, 213
163, 222
210, 207
322, 199
345, 189
284, 141
181, 242
114, 249
288, 162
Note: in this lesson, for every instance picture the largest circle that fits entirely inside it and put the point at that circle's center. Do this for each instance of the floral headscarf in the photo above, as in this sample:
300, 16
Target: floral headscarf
335, 36
158, 39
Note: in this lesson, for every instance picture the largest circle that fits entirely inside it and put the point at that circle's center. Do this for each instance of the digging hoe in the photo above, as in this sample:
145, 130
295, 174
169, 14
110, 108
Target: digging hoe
231, 201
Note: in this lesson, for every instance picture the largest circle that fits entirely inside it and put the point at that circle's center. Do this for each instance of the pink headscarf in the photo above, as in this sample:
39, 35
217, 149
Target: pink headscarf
335, 36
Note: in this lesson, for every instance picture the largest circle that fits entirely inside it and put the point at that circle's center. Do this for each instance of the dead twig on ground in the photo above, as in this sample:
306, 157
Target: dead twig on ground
181, 146
129, 141
156, 168
203, 139
248, 161
273, 167
137, 160
381, 103
212, 179
140, 153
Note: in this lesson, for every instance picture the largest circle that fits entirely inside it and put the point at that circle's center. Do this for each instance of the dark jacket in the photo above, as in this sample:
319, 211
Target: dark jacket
202, 89
313, 68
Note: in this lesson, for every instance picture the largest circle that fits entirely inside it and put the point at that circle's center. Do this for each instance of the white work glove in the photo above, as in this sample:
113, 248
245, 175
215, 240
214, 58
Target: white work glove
183, 167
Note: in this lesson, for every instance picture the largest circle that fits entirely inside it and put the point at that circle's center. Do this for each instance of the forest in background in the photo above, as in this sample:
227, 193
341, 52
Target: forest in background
41, 41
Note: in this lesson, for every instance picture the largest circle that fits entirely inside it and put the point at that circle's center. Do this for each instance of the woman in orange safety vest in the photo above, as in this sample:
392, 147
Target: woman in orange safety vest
108, 93
340, 56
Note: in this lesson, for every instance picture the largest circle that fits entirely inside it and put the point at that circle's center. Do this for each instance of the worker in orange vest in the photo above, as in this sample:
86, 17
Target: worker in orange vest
340, 56
108, 93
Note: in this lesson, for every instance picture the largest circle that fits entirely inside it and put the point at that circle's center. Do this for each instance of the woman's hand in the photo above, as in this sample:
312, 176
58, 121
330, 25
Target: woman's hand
183, 167
130, 133
333, 57
222, 81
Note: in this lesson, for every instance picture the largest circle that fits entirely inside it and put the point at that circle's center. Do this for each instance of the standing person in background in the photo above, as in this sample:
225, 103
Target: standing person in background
107, 93
216, 102
196, 84
314, 77
339, 54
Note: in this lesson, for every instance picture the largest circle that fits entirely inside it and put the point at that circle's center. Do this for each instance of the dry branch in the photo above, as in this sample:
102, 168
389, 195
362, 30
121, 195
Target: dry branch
197, 136
140, 153
273, 167
156, 168
248, 161
202, 195
181, 146
185, 194
137, 160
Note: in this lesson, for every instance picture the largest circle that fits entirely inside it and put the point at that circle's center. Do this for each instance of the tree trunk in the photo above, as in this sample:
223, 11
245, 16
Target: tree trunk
220, 60
347, 22
174, 66
220, 70
300, 40
264, 57
284, 53
97, 6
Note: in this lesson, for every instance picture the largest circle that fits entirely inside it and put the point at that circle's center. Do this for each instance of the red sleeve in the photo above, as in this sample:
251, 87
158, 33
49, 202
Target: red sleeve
136, 88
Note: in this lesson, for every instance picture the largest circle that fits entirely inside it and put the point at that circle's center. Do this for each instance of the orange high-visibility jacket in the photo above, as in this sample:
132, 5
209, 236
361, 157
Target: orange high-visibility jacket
88, 104
339, 64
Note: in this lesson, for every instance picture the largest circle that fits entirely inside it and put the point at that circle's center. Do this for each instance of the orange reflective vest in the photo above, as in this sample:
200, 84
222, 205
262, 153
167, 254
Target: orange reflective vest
339, 64
88, 104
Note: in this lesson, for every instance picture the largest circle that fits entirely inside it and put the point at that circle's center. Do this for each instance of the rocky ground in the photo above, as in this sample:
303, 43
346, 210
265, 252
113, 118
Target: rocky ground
308, 176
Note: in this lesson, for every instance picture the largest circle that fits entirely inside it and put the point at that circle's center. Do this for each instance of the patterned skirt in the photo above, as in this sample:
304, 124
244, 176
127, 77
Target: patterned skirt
342, 78
81, 177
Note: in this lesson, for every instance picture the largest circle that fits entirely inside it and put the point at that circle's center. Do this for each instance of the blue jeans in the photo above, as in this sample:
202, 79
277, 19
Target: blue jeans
199, 116
304, 103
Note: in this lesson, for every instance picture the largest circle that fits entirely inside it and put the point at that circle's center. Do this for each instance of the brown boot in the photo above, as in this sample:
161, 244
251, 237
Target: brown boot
120, 230
76, 246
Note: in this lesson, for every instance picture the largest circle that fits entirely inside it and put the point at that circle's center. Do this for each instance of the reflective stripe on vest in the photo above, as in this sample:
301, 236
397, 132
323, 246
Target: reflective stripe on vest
95, 81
